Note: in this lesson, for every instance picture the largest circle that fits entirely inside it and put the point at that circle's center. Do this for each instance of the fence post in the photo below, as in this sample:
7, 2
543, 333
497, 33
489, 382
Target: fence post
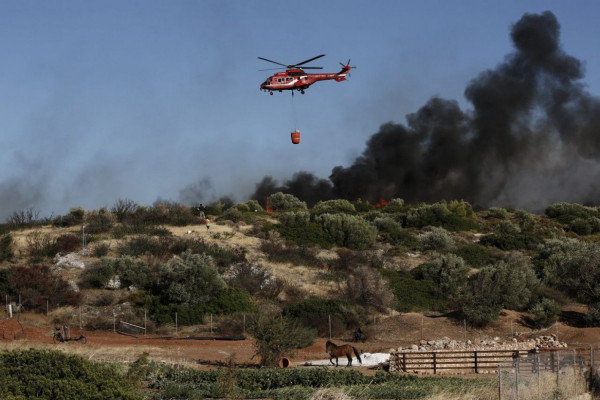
434, 363
175, 323
329, 323
144, 322
517, 379
539, 376
476, 370
591, 367
499, 383
404, 362
557, 370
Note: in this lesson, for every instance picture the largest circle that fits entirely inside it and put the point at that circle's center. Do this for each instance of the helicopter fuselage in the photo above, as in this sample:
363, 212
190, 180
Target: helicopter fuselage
297, 79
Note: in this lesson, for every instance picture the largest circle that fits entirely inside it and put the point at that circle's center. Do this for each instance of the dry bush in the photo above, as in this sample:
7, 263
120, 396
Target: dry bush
294, 293
104, 298
254, 279
67, 243
231, 324
366, 288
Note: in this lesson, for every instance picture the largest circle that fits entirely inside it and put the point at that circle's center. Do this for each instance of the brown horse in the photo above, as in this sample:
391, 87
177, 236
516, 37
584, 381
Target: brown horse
336, 351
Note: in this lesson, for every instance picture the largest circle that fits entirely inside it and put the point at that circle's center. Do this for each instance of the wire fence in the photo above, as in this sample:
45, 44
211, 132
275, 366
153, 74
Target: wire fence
556, 374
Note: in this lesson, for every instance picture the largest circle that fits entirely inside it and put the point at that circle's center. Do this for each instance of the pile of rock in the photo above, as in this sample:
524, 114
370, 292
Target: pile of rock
445, 343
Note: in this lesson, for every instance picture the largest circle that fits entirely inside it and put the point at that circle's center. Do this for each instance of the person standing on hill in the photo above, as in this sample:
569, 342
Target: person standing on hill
207, 222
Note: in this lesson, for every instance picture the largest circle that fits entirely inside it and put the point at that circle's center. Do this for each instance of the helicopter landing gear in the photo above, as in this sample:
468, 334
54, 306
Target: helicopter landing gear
302, 91
271, 93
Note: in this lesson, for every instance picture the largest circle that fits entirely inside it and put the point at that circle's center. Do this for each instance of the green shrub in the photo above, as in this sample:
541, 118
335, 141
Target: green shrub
224, 301
456, 216
308, 383
348, 260
412, 294
233, 215
99, 221
295, 219
6, 252
389, 229
97, 274
581, 226
362, 205
348, 230
479, 312
436, 239
315, 313
448, 271
296, 255
312, 234
497, 212
145, 245
333, 207
394, 206
44, 374
545, 313
101, 250
565, 212
276, 335
572, 266
222, 257
4, 280
509, 237
253, 206
189, 279
285, 202
592, 317
475, 255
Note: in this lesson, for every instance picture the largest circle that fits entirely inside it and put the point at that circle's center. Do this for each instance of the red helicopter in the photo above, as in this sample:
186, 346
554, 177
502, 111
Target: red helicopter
295, 78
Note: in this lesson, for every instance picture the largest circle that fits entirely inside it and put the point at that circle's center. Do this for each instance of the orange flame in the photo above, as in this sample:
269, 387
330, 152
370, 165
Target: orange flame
382, 203
268, 208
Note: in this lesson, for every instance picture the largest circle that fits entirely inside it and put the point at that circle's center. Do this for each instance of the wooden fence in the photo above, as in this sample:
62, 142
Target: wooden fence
445, 361
478, 361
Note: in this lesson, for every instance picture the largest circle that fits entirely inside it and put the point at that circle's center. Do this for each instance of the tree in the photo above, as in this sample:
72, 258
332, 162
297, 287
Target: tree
448, 271
366, 288
276, 336
509, 284
573, 266
190, 279
285, 202
123, 207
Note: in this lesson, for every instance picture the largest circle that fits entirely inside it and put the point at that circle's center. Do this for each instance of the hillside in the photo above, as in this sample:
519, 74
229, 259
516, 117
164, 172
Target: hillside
403, 273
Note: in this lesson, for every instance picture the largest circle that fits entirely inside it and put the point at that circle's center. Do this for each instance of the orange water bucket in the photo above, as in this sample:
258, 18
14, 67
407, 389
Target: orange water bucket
296, 137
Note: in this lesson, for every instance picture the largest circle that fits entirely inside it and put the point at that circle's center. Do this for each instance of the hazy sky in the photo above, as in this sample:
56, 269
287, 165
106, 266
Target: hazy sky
143, 99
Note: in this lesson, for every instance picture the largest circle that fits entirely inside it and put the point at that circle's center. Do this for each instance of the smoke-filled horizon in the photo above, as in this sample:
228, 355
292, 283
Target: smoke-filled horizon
531, 139
162, 103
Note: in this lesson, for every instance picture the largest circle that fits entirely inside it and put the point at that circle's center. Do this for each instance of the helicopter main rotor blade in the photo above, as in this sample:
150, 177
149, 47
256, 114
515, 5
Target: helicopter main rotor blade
274, 62
271, 69
312, 67
309, 60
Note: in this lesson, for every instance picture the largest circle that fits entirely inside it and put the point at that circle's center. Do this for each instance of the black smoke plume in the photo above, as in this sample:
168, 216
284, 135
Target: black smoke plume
531, 139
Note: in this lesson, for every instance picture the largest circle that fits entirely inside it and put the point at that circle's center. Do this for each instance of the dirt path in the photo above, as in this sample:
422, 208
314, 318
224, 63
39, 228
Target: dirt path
384, 335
